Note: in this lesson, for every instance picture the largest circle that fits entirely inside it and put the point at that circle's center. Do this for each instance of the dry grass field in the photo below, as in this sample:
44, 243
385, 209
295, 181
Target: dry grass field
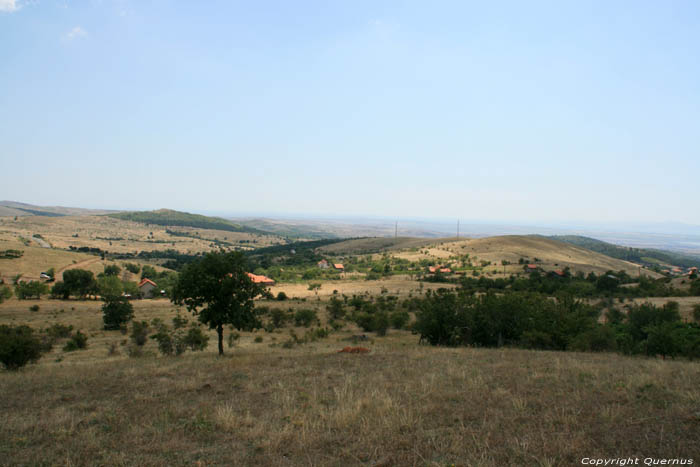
401, 404
37, 259
118, 236
396, 285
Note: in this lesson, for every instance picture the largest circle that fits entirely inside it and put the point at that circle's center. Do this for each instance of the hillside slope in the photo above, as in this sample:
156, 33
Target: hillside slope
547, 252
171, 218
645, 256
14, 208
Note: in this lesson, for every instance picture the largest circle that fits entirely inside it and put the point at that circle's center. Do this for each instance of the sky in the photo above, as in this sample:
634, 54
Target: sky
561, 111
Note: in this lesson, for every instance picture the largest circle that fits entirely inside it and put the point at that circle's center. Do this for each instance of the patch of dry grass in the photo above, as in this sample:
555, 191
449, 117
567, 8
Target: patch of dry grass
401, 404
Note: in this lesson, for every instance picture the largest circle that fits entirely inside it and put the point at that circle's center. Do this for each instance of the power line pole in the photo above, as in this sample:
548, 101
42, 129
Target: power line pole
457, 229
396, 230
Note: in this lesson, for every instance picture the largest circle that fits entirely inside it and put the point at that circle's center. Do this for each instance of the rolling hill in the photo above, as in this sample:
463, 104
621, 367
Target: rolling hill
171, 218
14, 208
646, 256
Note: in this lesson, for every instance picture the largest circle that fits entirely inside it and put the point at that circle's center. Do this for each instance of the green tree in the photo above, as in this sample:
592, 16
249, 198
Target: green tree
79, 282
148, 272
133, 268
112, 270
116, 311
34, 289
109, 286
218, 291
5, 293
19, 346
60, 290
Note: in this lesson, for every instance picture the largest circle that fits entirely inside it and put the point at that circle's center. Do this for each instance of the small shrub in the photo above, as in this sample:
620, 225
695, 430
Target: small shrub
233, 338
34, 308
139, 332
77, 342
258, 339
195, 339
179, 321
278, 318
282, 296
381, 322
116, 311
305, 317
399, 319
58, 331
19, 346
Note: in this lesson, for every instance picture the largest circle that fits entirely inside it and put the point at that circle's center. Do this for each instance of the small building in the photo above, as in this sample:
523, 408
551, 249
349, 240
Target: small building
559, 272
445, 270
531, 268
338, 267
146, 287
323, 264
259, 279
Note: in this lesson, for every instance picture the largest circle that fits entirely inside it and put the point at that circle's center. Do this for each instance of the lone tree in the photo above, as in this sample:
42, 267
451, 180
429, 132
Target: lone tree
218, 290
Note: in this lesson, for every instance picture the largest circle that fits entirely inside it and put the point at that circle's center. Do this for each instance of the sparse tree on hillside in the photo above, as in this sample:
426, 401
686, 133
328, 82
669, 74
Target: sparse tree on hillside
218, 291
79, 282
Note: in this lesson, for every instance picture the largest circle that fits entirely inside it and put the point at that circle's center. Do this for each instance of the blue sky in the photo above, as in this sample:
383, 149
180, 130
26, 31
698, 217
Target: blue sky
495, 111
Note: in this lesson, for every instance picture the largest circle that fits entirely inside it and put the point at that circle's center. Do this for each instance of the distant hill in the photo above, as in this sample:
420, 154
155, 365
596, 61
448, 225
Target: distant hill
645, 256
14, 208
170, 218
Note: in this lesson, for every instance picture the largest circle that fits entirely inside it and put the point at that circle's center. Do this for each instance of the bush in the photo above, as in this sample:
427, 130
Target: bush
233, 338
258, 339
380, 322
599, 339
195, 339
132, 268
34, 308
5, 293
60, 290
305, 317
34, 289
139, 332
335, 308
116, 311
19, 346
77, 342
278, 318
179, 321
282, 296
399, 319
58, 331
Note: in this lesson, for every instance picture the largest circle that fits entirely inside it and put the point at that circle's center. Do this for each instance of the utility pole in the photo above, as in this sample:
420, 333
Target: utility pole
396, 230
457, 229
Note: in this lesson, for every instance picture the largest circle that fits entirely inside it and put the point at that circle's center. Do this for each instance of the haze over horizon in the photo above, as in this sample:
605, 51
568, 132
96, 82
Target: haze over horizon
523, 113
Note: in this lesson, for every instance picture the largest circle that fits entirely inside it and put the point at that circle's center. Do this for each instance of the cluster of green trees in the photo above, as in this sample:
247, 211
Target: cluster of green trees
537, 321
610, 284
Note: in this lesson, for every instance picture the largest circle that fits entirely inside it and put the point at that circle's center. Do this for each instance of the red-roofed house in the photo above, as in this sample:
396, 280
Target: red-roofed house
531, 268
323, 264
445, 270
339, 267
559, 272
146, 287
258, 279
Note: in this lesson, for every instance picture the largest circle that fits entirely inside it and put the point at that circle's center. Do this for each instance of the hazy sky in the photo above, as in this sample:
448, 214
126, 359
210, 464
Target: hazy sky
507, 111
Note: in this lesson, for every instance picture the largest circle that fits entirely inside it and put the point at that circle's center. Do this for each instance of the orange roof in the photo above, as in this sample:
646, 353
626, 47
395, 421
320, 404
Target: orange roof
532, 266
338, 266
559, 272
445, 270
147, 281
257, 279
433, 268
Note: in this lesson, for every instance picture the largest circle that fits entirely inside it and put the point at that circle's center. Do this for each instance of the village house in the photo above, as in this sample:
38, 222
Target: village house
259, 279
323, 264
146, 287
531, 268
338, 267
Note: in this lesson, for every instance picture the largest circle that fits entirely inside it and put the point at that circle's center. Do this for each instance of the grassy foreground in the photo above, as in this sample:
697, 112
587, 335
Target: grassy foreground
398, 405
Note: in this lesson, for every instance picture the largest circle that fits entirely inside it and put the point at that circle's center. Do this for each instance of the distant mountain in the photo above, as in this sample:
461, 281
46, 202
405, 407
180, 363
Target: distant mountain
14, 208
170, 218
645, 256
